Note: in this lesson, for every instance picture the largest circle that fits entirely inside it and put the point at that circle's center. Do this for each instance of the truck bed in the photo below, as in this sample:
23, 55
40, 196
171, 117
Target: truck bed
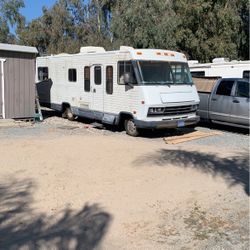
204, 86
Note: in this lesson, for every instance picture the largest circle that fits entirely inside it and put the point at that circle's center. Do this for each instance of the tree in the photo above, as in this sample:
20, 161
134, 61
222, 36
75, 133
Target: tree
67, 26
144, 24
9, 17
207, 29
243, 12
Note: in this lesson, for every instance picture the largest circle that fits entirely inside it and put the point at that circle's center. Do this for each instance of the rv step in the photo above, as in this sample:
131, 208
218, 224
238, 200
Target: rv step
38, 114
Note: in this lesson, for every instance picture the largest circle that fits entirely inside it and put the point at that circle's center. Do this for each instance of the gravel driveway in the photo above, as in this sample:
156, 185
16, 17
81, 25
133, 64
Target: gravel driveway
68, 185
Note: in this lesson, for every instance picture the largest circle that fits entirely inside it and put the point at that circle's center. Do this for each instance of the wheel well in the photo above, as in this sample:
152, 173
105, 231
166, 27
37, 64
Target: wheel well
123, 117
64, 106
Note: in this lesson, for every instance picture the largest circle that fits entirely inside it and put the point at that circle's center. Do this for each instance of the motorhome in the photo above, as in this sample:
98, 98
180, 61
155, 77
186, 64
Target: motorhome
139, 88
220, 67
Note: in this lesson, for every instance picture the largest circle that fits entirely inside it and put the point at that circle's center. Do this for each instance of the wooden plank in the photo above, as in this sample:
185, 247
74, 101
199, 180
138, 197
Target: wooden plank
189, 137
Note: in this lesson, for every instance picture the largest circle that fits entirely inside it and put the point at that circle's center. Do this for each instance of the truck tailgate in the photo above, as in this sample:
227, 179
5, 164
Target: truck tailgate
204, 105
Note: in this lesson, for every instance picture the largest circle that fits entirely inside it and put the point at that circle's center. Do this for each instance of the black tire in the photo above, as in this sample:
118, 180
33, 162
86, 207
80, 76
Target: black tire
68, 114
131, 128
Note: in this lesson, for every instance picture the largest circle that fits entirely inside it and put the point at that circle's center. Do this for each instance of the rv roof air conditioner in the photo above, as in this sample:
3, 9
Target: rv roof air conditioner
91, 49
126, 48
193, 61
220, 60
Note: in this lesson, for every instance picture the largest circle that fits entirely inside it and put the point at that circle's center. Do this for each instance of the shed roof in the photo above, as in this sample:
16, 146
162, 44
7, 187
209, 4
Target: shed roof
18, 48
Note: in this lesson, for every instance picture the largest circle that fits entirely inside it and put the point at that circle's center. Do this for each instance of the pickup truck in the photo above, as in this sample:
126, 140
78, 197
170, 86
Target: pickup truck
224, 100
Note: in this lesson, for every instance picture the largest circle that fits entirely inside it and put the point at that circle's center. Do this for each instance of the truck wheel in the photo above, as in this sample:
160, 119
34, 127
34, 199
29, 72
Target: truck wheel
68, 114
131, 128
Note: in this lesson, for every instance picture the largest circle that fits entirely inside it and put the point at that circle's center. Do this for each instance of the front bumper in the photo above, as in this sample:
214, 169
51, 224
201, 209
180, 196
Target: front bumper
167, 123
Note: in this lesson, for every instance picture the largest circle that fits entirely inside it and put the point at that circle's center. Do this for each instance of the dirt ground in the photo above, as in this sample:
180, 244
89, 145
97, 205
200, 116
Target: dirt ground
63, 187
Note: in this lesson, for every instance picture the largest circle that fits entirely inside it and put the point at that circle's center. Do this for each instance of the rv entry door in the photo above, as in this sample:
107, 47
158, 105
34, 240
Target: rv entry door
97, 88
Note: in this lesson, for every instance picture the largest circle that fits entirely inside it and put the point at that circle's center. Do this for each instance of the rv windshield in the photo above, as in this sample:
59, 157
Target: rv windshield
164, 73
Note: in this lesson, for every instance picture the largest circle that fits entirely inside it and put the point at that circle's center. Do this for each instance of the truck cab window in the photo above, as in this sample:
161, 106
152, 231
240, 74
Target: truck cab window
43, 73
72, 75
109, 80
242, 89
125, 67
87, 79
98, 75
225, 88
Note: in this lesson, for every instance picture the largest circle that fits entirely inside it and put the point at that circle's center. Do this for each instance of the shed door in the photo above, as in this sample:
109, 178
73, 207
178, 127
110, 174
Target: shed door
1, 103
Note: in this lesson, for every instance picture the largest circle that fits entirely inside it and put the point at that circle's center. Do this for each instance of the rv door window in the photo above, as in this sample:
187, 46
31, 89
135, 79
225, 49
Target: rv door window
98, 75
242, 89
225, 88
72, 75
43, 73
87, 79
109, 80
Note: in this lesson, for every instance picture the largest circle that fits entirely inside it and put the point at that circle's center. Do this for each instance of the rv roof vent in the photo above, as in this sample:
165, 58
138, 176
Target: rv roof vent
220, 60
91, 49
193, 61
126, 48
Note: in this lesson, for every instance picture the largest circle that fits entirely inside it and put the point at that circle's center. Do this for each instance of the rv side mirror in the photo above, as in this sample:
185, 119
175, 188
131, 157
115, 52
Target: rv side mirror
128, 78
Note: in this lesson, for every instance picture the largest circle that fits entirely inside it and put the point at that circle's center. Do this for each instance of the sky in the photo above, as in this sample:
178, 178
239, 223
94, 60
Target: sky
33, 8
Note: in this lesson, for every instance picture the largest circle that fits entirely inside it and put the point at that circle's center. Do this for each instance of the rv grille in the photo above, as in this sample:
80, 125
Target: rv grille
172, 111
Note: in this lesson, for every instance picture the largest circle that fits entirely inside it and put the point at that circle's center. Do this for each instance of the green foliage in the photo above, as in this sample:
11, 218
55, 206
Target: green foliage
243, 12
202, 29
9, 16
144, 24
207, 29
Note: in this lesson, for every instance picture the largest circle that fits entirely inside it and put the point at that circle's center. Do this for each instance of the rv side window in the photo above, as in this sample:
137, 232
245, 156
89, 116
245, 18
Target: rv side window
198, 73
225, 88
98, 75
43, 73
246, 74
72, 75
109, 80
86, 79
125, 67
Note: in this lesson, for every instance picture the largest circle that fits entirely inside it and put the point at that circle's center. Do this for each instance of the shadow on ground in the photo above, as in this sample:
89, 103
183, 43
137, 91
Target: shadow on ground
225, 128
235, 170
21, 227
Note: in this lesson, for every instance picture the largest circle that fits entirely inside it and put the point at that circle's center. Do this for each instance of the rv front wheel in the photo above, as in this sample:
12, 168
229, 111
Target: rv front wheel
131, 128
68, 114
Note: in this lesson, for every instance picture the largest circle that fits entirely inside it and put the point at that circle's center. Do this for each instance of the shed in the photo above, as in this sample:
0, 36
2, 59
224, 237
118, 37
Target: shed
17, 81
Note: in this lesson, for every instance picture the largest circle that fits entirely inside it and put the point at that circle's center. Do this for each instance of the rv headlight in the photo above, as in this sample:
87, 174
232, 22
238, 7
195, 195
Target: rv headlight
155, 111
151, 110
194, 107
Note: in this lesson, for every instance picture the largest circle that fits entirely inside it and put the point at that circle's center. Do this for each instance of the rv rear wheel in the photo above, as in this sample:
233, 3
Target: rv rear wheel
131, 128
68, 114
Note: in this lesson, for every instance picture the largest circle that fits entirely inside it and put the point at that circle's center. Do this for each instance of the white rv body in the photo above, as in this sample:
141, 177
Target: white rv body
177, 103
220, 67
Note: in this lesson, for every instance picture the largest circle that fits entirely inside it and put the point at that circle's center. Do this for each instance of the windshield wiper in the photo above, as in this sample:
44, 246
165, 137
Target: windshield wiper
158, 83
